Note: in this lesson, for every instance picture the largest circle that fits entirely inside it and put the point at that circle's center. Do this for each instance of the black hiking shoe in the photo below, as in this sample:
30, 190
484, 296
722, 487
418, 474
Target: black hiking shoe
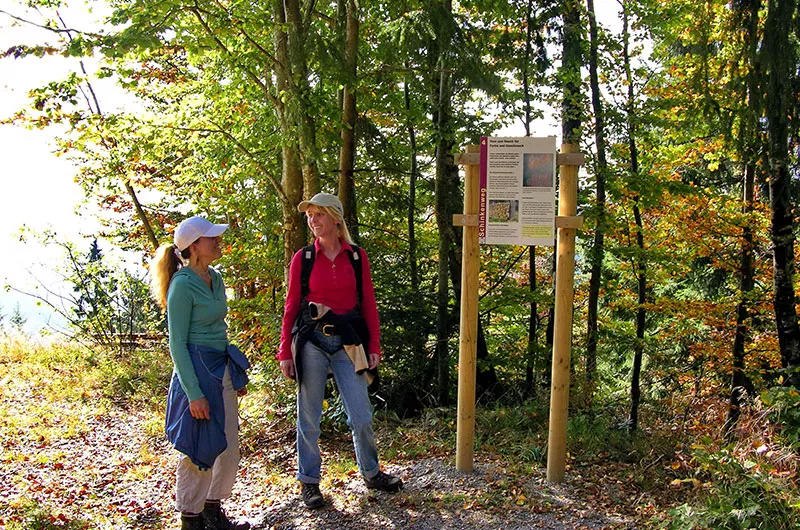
312, 497
192, 522
215, 518
384, 482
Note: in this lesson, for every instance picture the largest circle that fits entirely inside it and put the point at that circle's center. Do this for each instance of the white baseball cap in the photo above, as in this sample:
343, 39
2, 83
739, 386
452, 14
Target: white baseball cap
323, 199
193, 228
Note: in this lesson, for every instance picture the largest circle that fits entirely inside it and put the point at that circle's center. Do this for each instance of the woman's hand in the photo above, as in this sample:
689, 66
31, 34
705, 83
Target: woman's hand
287, 368
242, 392
374, 360
199, 409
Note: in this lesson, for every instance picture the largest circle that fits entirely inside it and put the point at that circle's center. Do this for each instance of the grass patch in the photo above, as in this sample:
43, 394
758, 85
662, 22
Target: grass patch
61, 398
433, 433
70, 373
518, 435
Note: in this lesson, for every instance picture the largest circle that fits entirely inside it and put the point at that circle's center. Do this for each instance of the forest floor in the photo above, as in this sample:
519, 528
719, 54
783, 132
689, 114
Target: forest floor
72, 458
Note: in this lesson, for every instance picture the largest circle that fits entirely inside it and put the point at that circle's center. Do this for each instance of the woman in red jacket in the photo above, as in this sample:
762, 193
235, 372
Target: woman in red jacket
332, 285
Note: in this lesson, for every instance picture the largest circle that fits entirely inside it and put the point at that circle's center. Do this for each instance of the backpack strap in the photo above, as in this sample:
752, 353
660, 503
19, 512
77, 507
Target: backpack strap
355, 262
309, 254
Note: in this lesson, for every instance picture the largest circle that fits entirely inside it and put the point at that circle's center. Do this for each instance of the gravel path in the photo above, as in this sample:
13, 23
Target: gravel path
436, 496
112, 469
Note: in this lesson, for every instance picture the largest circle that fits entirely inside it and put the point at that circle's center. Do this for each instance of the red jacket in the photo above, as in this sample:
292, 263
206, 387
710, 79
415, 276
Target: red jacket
334, 285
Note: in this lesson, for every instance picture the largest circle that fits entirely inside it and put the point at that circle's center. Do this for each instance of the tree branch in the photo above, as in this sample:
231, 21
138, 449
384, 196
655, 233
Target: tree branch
504, 275
241, 147
221, 45
49, 28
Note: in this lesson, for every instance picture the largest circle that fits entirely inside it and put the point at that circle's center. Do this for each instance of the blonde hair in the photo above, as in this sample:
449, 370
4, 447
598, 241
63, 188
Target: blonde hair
344, 233
163, 267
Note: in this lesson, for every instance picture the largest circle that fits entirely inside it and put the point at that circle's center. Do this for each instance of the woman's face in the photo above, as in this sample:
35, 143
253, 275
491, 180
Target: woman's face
320, 223
207, 248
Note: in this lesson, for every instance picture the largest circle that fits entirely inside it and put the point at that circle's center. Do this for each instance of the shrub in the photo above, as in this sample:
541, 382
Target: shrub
741, 490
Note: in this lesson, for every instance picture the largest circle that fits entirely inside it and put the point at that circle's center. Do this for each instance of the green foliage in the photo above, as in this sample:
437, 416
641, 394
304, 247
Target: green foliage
209, 126
110, 305
518, 433
137, 377
17, 320
783, 404
334, 415
739, 493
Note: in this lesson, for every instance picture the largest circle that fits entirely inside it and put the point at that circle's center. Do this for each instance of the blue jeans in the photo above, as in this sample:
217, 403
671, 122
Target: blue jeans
353, 390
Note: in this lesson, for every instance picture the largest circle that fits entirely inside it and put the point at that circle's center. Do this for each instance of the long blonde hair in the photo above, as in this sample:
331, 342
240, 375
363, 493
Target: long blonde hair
344, 233
163, 267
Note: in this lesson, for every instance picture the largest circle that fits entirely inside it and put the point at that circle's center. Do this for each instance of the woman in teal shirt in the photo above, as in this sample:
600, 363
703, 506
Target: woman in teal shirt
202, 419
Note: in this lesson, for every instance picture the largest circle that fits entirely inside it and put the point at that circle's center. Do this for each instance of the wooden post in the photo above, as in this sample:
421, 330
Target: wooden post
562, 332
468, 341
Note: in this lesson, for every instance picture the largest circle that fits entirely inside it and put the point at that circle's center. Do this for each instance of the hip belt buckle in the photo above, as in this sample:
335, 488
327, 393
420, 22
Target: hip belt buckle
328, 330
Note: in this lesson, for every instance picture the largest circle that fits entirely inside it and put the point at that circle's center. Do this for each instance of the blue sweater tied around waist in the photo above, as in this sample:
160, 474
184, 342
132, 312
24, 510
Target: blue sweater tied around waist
204, 440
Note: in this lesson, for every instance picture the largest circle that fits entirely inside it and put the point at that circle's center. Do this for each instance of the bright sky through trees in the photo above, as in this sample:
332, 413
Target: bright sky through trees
38, 188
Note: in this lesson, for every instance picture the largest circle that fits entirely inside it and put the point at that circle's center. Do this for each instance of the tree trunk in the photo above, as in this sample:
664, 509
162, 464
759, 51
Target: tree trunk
298, 102
739, 380
486, 375
148, 228
412, 184
531, 364
641, 316
443, 272
443, 192
779, 62
547, 367
640, 264
416, 338
597, 251
533, 318
571, 113
347, 153
294, 234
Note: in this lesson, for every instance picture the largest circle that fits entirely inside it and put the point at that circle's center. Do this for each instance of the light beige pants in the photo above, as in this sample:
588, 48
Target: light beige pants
193, 485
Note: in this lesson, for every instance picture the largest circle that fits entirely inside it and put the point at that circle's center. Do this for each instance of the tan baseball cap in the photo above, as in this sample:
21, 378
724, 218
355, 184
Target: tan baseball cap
323, 199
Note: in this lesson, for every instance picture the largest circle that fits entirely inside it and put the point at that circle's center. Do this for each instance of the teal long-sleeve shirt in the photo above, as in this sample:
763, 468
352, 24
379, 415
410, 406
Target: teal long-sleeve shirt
195, 315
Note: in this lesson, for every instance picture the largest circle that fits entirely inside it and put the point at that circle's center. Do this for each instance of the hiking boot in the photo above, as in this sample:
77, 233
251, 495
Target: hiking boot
215, 518
384, 482
312, 497
192, 521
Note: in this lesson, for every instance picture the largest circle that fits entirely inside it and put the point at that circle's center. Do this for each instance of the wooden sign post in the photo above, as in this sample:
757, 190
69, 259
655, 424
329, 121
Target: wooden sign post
468, 339
567, 223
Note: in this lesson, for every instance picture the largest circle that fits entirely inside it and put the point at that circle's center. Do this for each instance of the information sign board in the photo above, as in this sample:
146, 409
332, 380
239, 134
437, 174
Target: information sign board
517, 191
